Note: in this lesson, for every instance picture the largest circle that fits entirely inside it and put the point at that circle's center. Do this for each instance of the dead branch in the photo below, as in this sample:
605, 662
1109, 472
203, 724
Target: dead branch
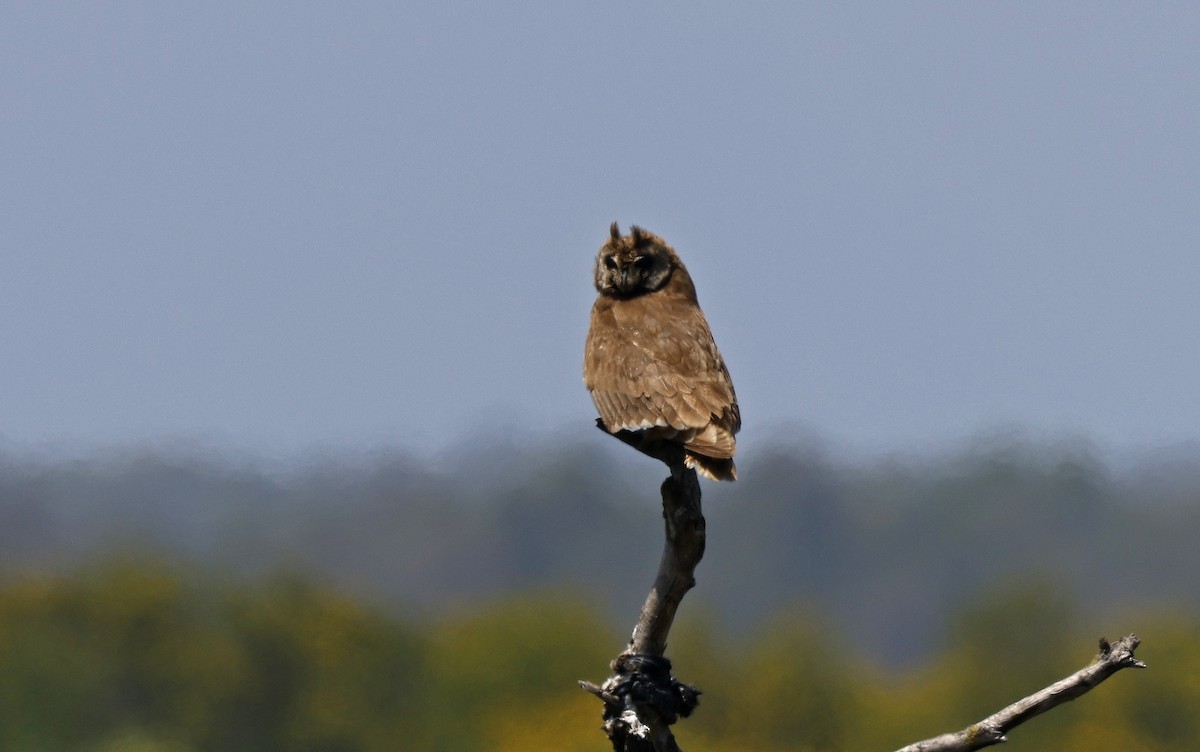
992, 730
642, 698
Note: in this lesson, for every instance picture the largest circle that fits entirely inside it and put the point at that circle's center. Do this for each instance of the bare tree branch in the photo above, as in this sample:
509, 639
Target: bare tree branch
993, 729
642, 699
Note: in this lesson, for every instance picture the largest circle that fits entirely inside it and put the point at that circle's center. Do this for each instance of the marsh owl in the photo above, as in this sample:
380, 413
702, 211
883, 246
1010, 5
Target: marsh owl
650, 361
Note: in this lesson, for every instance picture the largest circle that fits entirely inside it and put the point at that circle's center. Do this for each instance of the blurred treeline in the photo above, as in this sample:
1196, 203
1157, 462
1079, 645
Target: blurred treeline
144, 656
177, 601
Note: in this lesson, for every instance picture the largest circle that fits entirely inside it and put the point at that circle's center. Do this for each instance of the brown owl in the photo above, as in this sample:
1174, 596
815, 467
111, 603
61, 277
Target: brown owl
650, 361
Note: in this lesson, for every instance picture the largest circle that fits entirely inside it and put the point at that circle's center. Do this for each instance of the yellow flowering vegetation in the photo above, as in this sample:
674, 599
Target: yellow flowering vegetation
148, 657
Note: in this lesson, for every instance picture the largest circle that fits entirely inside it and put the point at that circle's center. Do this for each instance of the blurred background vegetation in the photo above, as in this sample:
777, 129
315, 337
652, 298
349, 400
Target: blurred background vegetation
178, 600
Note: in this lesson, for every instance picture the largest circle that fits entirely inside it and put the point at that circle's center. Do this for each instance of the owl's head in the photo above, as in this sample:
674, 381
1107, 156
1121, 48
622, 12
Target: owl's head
635, 264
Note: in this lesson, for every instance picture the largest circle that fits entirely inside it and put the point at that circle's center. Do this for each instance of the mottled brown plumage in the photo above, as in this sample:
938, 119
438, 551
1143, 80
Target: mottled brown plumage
650, 362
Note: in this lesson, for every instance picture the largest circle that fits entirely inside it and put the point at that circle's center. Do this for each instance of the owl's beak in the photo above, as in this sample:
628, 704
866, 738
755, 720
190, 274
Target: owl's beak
626, 284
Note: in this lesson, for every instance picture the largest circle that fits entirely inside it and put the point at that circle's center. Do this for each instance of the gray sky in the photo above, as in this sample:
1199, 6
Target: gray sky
286, 226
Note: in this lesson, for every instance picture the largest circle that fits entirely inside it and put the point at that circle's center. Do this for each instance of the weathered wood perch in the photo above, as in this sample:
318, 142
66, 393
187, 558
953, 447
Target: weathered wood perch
992, 730
642, 698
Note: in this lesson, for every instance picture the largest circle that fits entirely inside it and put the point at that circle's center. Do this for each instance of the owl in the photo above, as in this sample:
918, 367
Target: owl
650, 362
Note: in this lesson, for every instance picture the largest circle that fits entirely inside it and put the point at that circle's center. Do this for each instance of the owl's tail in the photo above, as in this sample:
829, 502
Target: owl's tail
710, 467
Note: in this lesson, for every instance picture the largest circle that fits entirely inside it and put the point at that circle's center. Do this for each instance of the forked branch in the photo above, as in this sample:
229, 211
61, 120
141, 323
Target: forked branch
642, 698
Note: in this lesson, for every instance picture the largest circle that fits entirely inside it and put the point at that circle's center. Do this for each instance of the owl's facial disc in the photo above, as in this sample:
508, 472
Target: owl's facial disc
628, 268
631, 274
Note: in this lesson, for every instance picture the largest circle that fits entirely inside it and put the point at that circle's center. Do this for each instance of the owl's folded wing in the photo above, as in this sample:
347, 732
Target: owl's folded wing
636, 389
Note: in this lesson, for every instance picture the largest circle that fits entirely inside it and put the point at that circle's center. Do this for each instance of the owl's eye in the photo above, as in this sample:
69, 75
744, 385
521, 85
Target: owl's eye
610, 263
643, 263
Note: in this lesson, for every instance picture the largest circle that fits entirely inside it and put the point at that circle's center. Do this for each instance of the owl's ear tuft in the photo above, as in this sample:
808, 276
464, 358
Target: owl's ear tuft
637, 235
614, 231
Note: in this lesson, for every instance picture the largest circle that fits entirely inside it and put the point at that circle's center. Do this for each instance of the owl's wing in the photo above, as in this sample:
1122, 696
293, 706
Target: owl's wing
664, 371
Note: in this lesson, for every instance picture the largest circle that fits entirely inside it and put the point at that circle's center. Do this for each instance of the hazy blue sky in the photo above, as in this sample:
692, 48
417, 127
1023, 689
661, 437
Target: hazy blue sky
282, 226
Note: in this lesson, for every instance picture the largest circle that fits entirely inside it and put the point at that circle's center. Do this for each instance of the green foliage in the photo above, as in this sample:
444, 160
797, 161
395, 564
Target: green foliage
796, 689
144, 657
514, 663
